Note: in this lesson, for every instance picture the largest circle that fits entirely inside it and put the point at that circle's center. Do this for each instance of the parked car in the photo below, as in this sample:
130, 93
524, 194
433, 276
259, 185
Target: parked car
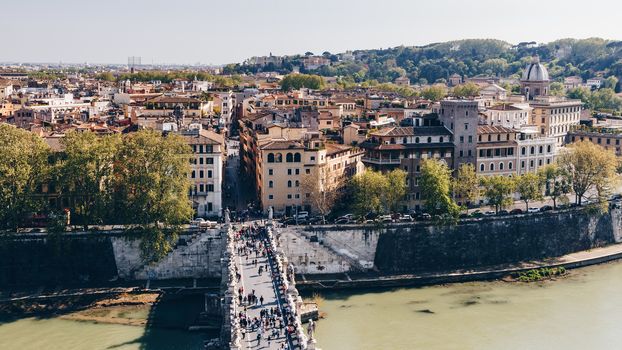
316, 220
516, 211
406, 218
342, 221
533, 210
503, 212
347, 216
546, 208
369, 221
197, 222
385, 218
490, 213
302, 215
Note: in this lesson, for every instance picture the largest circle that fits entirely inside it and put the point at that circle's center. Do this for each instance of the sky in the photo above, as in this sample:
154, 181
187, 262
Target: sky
229, 31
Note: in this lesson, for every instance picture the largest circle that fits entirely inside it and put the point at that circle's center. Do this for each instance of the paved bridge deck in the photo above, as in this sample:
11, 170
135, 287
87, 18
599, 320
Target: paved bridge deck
264, 286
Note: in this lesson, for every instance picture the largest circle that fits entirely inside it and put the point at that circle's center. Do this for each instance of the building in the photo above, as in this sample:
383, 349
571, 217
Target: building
206, 173
535, 80
461, 117
609, 138
402, 81
406, 148
455, 79
315, 62
555, 116
496, 150
509, 115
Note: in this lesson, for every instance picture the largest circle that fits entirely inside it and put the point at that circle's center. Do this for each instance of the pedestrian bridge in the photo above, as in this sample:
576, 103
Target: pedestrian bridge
262, 306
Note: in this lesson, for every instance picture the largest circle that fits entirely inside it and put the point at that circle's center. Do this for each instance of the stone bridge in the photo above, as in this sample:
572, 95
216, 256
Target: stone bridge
275, 287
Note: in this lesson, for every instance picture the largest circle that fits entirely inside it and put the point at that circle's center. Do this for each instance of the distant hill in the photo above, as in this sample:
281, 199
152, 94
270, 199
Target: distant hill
436, 62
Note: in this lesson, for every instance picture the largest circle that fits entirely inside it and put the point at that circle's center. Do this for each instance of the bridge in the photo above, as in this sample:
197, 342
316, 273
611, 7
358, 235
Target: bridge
262, 308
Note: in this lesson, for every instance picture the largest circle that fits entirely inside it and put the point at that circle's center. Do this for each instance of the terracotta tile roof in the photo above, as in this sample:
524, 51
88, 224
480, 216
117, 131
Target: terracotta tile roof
282, 145
494, 129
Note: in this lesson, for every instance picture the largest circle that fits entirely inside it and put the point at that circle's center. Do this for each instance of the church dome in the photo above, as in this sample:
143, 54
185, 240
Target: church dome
535, 71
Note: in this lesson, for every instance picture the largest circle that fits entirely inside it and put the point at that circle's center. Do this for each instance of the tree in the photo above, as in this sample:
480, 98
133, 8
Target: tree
589, 167
529, 186
152, 188
297, 81
320, 192
557, 89
498, 190
466, 90
396, 188
85, 173
556, 183
434, 92
367, 190
435, 184
23, 168
466, 183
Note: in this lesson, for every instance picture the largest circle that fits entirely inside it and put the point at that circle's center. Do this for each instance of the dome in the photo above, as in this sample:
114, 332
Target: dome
535, 71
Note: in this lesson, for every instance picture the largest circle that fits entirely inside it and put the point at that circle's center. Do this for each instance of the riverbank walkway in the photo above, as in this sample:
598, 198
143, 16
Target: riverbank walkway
569, 261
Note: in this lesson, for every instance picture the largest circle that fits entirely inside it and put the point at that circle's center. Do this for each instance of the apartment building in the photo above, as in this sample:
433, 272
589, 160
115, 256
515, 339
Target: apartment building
206, 173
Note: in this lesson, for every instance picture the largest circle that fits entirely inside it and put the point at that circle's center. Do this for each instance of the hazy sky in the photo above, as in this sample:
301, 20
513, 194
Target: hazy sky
206, 31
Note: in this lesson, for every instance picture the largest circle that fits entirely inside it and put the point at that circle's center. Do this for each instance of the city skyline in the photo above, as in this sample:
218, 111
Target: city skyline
220, 33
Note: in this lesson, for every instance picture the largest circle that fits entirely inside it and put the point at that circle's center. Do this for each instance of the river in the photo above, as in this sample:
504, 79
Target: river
580, 311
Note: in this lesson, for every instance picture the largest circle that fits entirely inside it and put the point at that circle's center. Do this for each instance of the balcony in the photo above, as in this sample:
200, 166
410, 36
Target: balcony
382, 161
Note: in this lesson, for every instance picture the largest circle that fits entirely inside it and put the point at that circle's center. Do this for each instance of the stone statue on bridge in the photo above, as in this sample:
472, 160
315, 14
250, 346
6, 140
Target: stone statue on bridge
227, 216
270, 213
311, 329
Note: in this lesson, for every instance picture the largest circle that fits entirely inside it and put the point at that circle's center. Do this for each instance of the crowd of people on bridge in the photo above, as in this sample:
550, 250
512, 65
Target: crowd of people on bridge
275, 322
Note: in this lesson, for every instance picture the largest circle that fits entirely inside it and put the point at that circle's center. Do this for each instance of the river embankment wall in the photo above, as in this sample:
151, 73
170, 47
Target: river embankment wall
429, 247
38, 259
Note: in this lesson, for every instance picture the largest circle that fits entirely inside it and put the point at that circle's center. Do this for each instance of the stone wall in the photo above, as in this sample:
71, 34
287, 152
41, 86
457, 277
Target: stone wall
91, 258
421, 247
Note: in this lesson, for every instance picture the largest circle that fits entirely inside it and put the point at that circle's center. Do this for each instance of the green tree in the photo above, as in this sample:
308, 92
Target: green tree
588, 167
297, 81
434, 92
557, 89
556, 183
466, 90
498, 190
396, 188
23, 168
152, 187
435, 184
529, 186
367, 190
466, 184
85, 173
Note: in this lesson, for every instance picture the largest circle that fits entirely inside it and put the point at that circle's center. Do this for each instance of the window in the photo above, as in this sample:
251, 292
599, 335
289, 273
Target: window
297, 157
533, 150
466, 125
201, 188
270, 172
210, 188
289, 196
209, 160
481, 167
209, 174
270, 196
522, 164
500, 166
289, 158
312, 158
461, 153
307, 171
289, 171
278, 158
297, 183
492, 166
289, 183
200, 160
416, 140
441, 140
510, 165
548, 149
270, 157
271, 184
201, 174
297, 171
193, 174
522, 151
461, 139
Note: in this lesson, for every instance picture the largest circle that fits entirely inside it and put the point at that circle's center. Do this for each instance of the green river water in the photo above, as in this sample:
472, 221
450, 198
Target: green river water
581, 311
